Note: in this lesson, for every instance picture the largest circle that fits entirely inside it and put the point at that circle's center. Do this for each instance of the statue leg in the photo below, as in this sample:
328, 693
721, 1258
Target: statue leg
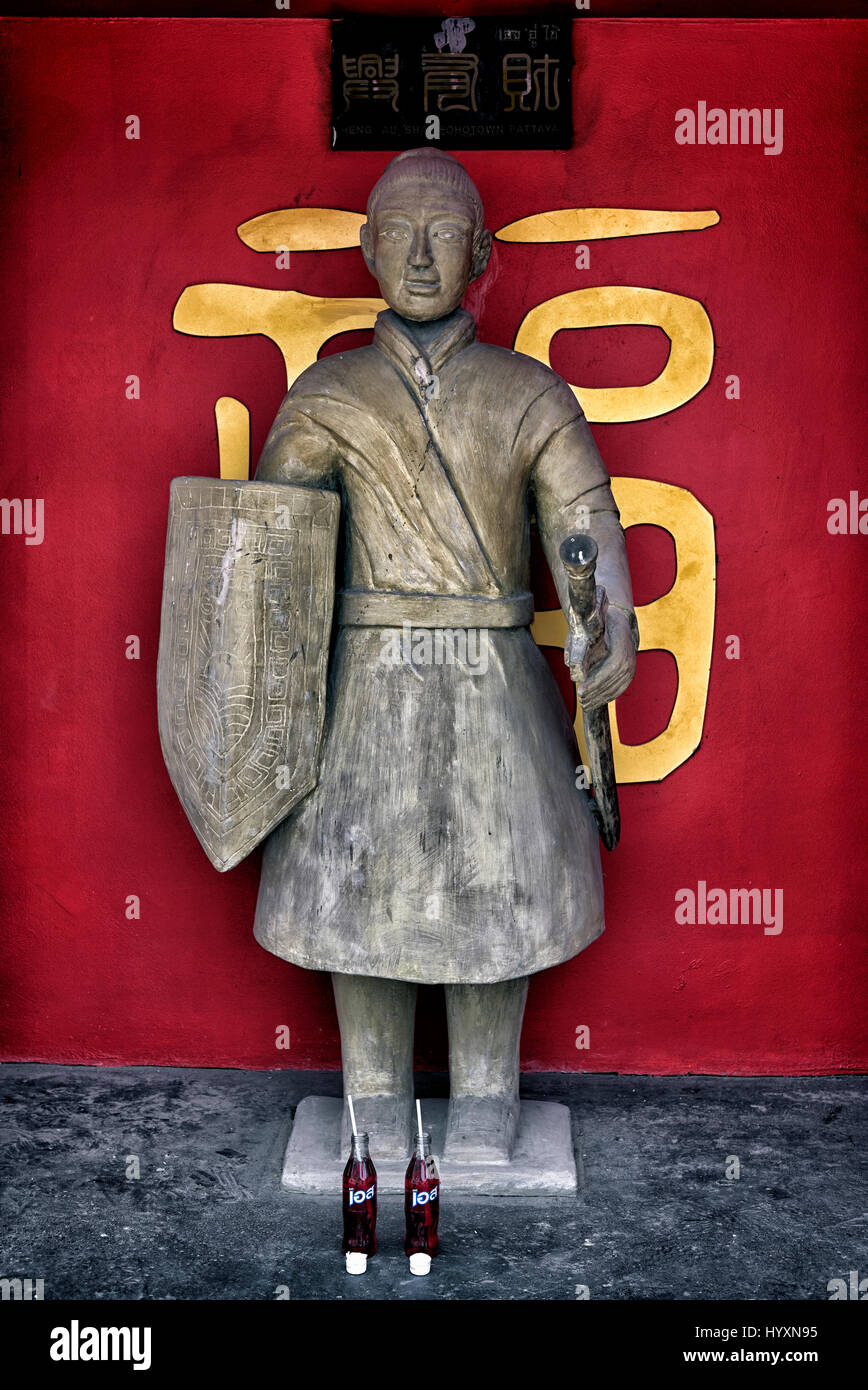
484, 1032
376, 1021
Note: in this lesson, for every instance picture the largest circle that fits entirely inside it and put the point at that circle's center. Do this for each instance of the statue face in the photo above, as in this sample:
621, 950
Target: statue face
420, 248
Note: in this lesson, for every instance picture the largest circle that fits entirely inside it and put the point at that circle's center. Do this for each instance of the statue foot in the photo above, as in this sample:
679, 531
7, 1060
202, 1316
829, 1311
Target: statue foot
388, 1121
481, 1129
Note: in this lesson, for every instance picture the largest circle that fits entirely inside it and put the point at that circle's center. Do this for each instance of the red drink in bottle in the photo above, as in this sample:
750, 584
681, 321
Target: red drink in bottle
421, 1207
360, 1206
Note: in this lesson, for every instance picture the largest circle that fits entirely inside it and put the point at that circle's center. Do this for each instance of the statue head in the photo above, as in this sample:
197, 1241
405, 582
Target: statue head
424, 239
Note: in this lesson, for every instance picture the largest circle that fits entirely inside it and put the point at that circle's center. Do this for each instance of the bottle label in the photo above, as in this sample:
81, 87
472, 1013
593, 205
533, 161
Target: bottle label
358, 1195
420, 1199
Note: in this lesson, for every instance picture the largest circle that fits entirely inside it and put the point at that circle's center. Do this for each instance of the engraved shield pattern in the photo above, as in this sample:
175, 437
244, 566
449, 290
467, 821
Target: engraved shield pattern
248, 597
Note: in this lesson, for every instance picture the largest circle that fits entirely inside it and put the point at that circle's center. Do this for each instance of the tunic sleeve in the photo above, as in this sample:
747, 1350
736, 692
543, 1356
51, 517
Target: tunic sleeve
572, 491
298, 449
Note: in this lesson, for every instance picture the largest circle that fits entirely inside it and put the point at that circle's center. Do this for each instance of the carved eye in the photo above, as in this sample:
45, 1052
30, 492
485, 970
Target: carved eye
394, 233
449, 234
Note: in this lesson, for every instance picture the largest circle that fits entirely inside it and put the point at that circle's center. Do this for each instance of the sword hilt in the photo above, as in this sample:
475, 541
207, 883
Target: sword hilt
579, 558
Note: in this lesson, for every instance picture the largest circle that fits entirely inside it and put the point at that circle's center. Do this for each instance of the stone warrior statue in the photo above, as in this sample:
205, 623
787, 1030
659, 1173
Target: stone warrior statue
422, 814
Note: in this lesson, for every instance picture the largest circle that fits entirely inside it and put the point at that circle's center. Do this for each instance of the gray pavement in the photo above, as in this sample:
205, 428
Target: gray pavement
656, 1216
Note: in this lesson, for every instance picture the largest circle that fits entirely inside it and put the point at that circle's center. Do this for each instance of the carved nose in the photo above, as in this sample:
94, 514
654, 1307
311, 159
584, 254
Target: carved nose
420, 253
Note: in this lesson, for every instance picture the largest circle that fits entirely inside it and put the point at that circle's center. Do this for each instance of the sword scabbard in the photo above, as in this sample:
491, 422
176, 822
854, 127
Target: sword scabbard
588, 606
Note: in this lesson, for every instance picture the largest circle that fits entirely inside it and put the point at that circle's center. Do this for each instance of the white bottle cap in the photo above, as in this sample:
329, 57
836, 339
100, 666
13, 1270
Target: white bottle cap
357, 1263
420, 1263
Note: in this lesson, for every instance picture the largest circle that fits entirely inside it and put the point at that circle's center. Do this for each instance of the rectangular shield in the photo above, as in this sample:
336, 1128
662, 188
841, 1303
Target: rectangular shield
248, 598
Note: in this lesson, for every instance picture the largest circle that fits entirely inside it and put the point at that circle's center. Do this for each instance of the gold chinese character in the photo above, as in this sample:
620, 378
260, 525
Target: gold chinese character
451, 77
518, 71
370, 77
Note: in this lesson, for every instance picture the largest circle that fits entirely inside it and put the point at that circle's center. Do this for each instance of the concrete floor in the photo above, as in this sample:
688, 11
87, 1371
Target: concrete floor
656, 1216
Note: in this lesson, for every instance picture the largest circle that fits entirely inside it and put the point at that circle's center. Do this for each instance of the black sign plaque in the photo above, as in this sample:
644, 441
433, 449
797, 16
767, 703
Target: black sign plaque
465, 84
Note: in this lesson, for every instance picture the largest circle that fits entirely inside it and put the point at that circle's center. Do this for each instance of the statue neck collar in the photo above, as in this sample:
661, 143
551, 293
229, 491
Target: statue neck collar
423, 352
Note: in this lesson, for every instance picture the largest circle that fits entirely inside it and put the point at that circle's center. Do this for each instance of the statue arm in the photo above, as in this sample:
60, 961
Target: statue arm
298, 449
573, 494
572, 491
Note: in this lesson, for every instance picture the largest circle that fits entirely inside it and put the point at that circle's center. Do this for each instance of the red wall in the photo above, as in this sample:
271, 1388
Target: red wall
101, 236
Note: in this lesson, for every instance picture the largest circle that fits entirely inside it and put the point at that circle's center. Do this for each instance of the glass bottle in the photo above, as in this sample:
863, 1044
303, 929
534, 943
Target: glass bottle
421, 1207
360, 1206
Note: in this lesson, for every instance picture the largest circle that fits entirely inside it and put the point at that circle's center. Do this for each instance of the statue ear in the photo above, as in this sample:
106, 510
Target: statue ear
365, 240
480, 256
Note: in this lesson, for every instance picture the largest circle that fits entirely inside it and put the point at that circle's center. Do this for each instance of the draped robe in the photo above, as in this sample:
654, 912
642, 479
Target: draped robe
446, 840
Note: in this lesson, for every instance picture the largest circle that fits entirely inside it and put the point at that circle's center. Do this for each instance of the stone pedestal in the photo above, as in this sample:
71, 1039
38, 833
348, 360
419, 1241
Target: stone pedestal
543, 1163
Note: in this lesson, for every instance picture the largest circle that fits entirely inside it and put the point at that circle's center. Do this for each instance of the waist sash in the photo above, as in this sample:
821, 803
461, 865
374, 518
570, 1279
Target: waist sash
372, 608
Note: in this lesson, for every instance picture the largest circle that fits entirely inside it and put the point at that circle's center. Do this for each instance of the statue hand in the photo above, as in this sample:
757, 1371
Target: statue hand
614, 673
